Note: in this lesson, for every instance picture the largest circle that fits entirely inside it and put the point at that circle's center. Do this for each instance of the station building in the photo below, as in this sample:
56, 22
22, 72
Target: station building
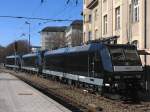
129, 20
74, 33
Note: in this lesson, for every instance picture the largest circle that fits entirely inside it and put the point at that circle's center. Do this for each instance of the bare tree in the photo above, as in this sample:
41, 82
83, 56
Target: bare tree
2, 54
20, 46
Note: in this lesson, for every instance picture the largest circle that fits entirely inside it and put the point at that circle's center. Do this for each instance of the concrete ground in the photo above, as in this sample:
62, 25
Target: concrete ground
17, 96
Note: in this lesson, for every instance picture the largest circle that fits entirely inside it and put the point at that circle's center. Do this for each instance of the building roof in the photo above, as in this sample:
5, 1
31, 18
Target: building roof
54, 29
77, 22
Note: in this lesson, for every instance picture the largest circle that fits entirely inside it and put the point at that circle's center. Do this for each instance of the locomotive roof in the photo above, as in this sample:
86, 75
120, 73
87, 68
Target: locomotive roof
29, 55
12, 56
84, 48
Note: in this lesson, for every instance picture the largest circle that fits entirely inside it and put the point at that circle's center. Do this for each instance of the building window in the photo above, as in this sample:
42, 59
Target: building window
90, 18
105, 25
117, 20
90, 35
135, 5
96, 14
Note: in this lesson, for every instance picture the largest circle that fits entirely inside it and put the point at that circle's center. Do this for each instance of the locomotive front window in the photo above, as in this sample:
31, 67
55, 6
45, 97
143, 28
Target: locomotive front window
124, 57
117, 54
131, 55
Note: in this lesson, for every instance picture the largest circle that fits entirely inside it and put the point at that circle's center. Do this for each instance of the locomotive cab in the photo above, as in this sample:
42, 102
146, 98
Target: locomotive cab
121, 58
123, 68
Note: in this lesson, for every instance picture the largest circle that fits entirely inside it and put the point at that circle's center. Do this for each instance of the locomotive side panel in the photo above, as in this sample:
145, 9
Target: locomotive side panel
31, 62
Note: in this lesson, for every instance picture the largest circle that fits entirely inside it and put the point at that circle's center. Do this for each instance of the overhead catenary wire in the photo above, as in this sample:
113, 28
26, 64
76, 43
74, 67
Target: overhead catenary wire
72, 12
36, 18
65, 9
59, 14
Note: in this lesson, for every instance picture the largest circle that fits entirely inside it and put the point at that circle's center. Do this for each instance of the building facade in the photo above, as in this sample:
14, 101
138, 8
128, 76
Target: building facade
147, 28
127, 19
74, 33
53, 37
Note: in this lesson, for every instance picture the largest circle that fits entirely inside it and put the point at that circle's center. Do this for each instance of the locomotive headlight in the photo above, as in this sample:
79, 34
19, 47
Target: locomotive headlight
107, 85
116, 84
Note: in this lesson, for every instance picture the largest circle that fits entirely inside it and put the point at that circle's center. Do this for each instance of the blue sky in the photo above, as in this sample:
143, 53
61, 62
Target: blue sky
12, 29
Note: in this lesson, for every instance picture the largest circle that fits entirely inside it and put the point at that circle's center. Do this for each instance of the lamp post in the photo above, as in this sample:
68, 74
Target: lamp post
29, 32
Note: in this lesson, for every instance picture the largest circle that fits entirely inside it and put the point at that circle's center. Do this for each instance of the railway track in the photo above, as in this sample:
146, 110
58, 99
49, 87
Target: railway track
79, 99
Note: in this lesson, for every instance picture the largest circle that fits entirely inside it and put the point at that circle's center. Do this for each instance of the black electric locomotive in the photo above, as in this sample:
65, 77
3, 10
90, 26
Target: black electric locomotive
31, 62
112, 68
13, 62
102, 67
